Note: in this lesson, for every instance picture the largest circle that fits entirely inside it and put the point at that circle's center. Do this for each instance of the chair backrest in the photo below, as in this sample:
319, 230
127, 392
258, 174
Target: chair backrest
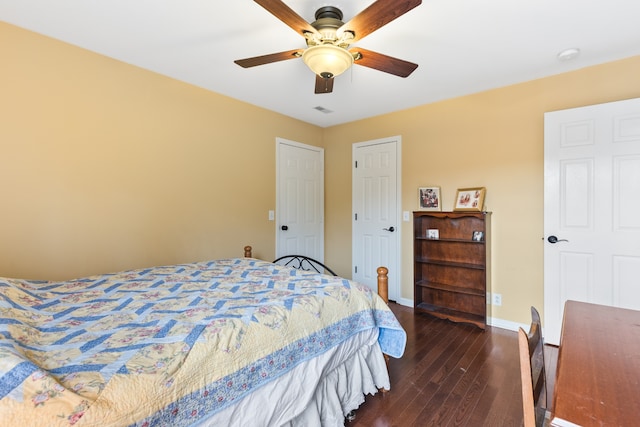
302, 262
528, 405
532, 370
536, 351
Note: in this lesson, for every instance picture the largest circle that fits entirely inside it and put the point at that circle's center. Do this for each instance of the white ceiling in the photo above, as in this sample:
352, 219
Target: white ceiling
461, 46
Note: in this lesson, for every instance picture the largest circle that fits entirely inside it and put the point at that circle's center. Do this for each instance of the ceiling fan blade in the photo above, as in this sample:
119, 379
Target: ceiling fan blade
376, 15
324, 85
284, 13
385, 63
267, 59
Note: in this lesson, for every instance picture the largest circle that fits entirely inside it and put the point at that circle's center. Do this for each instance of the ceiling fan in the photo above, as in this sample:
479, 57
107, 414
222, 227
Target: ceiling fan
328, 39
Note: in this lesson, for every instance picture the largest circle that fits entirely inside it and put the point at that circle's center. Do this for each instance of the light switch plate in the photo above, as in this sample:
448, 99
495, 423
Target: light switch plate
406, 217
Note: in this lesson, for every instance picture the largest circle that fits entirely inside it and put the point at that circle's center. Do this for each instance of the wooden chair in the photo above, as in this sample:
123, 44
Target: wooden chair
532, 373
302, 262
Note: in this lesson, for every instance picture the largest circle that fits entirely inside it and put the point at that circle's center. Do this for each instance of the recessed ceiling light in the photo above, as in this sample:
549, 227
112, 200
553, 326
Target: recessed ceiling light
568, 54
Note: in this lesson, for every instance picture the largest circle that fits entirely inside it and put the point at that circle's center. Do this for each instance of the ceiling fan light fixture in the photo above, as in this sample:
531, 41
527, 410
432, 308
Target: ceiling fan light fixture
327, 60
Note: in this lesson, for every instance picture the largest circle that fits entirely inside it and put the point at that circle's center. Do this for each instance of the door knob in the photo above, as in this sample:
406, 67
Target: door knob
554, 239
391, 229
284, 228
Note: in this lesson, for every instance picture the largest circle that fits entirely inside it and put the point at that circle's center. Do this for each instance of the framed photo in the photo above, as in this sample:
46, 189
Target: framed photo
477, 236
469, 199
433, 233
429, 198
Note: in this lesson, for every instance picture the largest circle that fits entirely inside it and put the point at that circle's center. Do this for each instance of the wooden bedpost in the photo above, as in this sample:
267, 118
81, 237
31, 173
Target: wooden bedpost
247, 252
383, 283
383, 291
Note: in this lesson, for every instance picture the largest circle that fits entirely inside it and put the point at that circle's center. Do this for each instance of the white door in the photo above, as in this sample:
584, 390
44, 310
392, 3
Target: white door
591, 209
300, 200
376, 212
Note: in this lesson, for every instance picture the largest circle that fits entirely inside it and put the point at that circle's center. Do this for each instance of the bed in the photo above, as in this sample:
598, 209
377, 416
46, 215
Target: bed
231, 342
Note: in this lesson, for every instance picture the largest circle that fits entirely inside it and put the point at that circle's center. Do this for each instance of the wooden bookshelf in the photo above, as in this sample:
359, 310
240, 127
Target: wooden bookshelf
451, 271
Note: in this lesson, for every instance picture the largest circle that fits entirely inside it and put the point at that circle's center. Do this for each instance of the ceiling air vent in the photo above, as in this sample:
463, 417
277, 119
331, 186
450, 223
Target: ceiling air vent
322, 109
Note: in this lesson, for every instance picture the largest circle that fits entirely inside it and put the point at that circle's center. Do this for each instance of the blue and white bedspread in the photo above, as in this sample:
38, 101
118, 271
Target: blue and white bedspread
168, 345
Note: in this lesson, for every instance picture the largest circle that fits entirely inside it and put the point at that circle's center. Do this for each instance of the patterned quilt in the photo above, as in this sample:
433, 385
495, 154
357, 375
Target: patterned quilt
167, 345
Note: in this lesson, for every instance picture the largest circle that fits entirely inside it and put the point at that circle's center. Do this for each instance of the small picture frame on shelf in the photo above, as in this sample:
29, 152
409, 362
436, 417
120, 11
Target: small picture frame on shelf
470, 199
477, 236
433, 233
429, 199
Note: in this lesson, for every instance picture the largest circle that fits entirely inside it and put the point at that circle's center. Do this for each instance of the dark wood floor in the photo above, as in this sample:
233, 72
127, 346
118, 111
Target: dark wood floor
451, 375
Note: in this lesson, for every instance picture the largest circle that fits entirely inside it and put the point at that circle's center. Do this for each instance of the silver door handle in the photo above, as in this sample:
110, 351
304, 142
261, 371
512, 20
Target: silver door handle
554, 239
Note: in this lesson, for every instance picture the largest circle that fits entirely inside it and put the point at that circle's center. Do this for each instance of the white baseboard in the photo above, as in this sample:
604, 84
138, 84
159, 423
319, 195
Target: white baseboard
506, 324
491, 321
406, 302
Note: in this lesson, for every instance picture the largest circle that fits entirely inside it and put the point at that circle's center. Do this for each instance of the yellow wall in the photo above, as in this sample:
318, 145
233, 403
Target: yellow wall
492, 139
104, 166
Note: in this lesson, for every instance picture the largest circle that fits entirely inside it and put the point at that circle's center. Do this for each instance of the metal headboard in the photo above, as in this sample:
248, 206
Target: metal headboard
301, 262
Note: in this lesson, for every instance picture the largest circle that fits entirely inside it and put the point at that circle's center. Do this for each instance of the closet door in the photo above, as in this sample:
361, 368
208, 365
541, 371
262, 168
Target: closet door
591, 205
300, 200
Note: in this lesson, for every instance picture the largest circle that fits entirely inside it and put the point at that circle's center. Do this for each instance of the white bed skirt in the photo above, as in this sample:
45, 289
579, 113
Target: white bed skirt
319, 392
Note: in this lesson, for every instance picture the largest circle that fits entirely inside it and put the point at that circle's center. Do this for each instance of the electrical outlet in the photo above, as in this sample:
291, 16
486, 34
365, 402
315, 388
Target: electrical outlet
497, 299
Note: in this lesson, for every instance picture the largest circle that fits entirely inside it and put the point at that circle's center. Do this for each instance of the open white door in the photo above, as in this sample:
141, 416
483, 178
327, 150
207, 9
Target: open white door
299, 199
376, 212
591, 209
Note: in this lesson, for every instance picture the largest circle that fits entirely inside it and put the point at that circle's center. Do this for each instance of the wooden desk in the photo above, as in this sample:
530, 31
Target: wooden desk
598, 370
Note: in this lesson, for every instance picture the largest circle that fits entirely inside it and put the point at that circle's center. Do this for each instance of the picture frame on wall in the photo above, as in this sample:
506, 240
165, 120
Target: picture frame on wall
470, 199
429, 199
